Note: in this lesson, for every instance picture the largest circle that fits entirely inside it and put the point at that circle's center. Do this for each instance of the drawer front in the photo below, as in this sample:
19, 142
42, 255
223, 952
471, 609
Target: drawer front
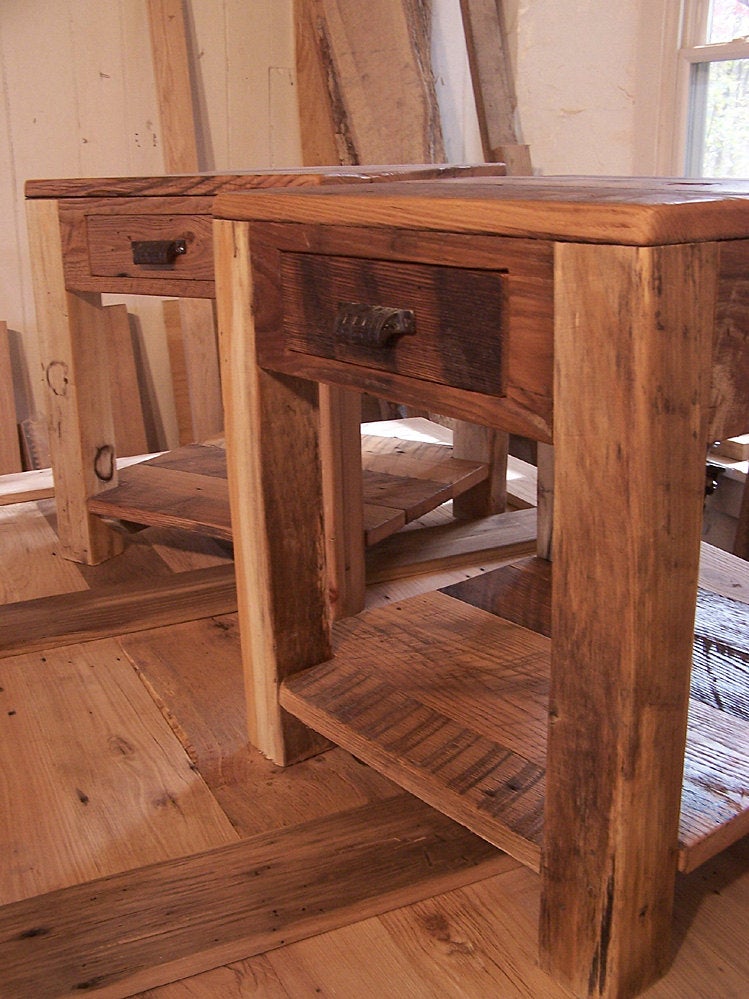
150, 246
439, 324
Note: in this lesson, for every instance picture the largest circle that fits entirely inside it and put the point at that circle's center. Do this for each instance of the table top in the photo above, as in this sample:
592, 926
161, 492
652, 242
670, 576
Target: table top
630, 211
211, 184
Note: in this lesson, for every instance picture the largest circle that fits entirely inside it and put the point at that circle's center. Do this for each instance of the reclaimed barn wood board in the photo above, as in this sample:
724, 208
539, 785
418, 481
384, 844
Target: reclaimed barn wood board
379, 116
63, 618
187, 487
10, 452
388, 681
504, 535
127, 410
190, 324
132, 931
30, 568
493, 84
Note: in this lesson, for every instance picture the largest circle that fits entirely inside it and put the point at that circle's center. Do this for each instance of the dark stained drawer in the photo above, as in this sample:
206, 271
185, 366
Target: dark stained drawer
150, 246
445, 325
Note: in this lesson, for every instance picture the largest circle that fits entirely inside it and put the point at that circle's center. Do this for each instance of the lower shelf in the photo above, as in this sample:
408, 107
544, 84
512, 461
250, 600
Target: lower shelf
414, 693
187, 487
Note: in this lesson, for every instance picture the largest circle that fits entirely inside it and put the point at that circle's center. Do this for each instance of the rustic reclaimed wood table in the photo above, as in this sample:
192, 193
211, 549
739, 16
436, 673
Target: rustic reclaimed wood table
152, 236
607, 316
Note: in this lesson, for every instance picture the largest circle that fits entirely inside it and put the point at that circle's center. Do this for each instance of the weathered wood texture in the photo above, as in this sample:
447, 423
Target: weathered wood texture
191, 330
400, 480
394, 676
59, 619
609, 864
81, 433
204, 409
514, 279
610, 210
140, 929
174, 89
470, 942
383, 106
493, 84
445, 546
627, 556
10, 453
206, 710
124, 383
275, 492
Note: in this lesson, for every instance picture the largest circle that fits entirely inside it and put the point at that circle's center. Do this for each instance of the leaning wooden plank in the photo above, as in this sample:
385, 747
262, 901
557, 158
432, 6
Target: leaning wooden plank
137, 930
10, 454
506, 535
127, 411
381, 116
62, 619
34, 442
493, 85
202, 365
174, 89
190, 323
317, 109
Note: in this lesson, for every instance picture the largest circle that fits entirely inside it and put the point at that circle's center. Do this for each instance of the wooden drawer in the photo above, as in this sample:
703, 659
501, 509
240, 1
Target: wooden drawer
116, 243
446, 325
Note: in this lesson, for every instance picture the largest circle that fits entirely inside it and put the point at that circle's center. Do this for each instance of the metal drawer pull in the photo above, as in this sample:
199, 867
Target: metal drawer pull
158, 251
372, 325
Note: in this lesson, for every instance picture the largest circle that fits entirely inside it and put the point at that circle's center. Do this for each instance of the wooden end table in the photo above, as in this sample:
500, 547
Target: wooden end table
152, 236
607, 316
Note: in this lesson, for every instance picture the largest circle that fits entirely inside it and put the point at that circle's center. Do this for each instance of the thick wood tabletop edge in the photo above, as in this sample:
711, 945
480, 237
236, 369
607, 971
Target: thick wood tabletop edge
246, 180
641, 212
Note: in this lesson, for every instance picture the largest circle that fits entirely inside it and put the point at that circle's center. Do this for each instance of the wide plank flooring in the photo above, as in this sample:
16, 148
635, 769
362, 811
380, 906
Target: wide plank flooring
129, 751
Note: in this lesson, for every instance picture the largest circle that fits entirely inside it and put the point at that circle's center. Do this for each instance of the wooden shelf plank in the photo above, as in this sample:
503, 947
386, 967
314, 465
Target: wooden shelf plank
143, 928
449, 700
187, 487
420, 690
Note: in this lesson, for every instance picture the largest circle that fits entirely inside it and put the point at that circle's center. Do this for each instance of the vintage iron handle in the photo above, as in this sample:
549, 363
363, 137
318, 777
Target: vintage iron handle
160, 252
375, 326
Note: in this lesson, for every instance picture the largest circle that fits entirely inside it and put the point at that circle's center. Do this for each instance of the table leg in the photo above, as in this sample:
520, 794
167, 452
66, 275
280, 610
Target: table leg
490, 446
343, 500
73, 328
632, 361
275, 489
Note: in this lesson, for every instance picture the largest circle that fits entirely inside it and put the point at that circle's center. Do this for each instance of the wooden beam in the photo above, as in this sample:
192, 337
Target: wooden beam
65, 618
171, 65
503, 535
135, 931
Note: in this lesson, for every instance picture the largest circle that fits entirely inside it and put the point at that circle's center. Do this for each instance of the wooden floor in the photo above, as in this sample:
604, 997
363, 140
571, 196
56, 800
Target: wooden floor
130, 751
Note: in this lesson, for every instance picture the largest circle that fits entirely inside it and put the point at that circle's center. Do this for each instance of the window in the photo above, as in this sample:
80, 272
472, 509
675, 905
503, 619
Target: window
715, 46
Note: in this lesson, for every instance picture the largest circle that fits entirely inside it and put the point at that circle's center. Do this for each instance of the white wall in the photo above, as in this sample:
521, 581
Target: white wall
589, 81
79, 100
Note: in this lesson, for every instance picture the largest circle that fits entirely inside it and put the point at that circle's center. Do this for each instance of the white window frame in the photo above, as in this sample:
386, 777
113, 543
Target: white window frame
683, 29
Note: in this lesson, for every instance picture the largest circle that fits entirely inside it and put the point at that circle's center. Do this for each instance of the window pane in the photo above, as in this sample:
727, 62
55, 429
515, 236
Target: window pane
720, 119
729, 19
